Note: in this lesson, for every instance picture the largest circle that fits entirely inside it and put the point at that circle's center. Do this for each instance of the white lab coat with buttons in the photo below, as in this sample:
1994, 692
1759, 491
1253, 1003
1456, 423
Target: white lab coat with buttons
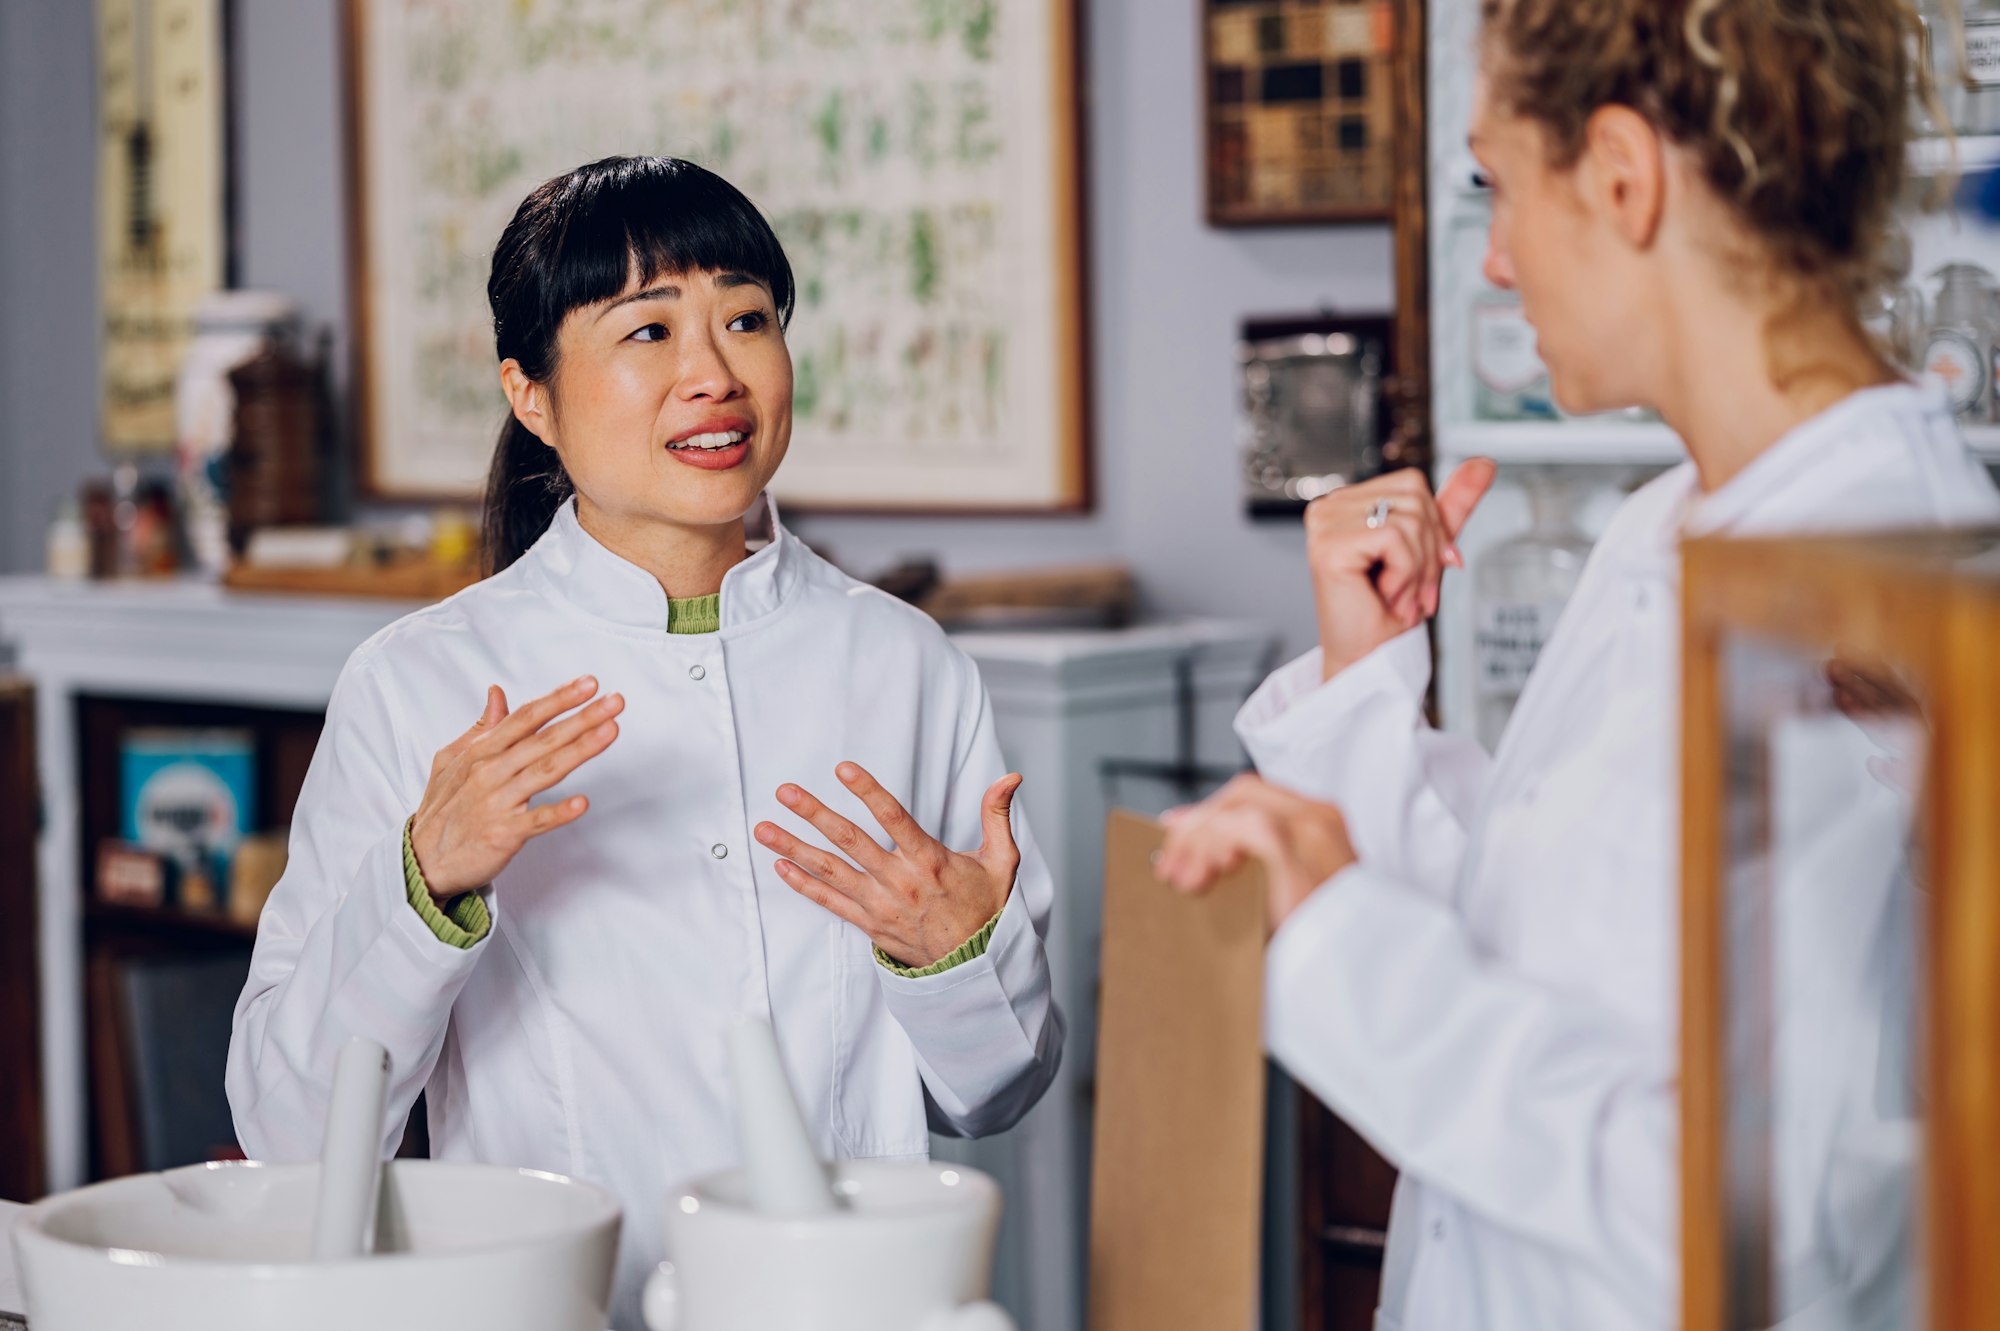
1490, 995
585, 1034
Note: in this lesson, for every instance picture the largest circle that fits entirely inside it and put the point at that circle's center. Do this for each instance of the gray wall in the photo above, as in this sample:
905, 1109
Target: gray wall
1166, 295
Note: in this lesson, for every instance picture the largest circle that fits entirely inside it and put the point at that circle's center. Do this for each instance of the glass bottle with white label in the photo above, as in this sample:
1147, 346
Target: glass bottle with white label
1960, 347
1967, 72
1510, 383
1519, 589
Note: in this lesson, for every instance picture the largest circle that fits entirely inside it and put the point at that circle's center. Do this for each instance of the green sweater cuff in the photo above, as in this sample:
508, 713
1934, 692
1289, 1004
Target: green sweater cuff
970, 950
462, 922
695, 614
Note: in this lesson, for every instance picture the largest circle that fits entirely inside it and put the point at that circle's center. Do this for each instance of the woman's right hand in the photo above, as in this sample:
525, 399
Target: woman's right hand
475, 817
1371, 584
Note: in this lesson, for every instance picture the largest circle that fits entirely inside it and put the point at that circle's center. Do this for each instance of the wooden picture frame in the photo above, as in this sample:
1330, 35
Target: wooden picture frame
165, 202
1917, 609
1301, 109
955, 383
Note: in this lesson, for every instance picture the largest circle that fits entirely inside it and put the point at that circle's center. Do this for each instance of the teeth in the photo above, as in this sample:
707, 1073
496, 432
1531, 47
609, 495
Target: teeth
712, 441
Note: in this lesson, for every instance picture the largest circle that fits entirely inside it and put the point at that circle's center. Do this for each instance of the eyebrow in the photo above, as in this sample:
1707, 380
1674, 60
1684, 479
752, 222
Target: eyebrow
669, 291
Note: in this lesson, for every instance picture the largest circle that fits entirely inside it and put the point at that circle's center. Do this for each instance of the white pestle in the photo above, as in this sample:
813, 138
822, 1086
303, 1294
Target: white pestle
350, 1157
786, 1176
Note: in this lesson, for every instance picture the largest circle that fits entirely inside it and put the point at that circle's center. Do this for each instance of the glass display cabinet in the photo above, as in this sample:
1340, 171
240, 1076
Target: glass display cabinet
1841, 926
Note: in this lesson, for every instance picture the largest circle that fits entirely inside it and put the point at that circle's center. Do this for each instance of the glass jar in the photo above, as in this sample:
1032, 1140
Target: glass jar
231, 328
1520, 587
1959, 350
1894, 314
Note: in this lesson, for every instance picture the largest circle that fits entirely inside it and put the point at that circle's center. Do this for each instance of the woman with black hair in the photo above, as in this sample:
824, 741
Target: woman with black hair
551, 918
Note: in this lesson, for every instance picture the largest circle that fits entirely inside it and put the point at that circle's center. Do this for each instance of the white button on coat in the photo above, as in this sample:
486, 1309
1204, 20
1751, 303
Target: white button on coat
585, 1034
1492, 995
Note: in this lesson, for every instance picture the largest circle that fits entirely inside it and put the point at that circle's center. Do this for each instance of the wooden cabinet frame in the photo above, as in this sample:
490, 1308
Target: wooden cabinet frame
1898, 600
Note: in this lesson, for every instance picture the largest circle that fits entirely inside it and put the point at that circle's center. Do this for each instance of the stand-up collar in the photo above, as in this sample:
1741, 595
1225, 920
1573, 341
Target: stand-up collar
577, 569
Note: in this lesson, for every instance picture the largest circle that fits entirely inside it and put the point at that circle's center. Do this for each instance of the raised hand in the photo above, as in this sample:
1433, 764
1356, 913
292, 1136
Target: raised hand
918, 900
1371, 584
475, 815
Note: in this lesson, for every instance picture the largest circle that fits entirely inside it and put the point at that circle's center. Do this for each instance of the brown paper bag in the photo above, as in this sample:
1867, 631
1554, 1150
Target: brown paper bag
1177, 1183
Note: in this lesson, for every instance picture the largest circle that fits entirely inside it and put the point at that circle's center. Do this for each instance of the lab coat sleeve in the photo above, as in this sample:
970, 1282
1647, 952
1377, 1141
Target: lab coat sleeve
1360, 741
988, 1034
339, 950
1540, 1110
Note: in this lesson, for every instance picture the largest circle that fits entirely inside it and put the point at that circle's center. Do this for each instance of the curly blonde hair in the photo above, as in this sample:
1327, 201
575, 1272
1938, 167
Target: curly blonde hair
1798, 111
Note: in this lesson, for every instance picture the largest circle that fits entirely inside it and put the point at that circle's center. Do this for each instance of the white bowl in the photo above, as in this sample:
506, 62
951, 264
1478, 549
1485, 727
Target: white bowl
226, 1248
911, 1249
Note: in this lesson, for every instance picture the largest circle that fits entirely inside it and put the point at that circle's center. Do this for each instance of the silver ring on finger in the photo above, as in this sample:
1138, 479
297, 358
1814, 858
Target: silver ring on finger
1378, 513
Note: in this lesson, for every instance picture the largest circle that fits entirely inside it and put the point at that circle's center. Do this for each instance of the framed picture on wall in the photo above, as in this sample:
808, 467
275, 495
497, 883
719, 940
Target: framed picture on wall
1301, 110
919, 161
162, 202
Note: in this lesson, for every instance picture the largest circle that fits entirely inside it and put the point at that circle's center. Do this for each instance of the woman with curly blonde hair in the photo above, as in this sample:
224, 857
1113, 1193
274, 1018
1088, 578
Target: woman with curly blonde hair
1474, 959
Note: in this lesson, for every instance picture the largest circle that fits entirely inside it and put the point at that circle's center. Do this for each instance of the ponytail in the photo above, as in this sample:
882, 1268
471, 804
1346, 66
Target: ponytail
525, 487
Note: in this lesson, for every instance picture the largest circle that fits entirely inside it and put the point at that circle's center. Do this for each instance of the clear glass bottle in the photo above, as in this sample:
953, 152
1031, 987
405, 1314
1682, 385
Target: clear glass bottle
1520, 587
1964, 59
1894, 315
1959, 350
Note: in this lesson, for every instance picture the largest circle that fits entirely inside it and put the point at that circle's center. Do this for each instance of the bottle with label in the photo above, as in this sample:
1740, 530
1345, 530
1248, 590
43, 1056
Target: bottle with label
1964, 60
1519, 588
1959, 351
1510, 383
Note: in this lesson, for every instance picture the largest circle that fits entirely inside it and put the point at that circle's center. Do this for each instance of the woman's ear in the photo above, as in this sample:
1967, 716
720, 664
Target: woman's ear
1627, 176
529, 401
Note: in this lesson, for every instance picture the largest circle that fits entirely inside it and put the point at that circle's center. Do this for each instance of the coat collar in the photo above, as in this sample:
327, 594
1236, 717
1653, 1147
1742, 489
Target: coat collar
581, 572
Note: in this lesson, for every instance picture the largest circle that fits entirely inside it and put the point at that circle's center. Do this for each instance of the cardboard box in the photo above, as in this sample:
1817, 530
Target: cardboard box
1178, 1172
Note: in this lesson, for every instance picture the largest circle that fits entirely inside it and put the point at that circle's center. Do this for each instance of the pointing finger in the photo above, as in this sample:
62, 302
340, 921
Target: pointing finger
1462, 493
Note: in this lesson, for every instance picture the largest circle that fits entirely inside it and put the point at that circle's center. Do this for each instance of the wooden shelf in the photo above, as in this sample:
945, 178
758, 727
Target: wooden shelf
166, 922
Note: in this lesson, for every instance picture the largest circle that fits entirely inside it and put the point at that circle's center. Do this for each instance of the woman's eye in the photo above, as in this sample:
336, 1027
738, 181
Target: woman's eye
1482, 180
751, 322
650, 333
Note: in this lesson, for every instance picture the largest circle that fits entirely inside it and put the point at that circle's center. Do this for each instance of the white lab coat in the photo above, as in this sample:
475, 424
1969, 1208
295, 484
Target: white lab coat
1491, 995
585, 1034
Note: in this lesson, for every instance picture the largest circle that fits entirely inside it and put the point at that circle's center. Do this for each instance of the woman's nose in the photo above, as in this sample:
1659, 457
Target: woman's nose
1498, 268
705, 372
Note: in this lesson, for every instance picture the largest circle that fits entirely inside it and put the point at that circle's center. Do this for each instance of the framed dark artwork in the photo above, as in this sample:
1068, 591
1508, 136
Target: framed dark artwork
1300, 109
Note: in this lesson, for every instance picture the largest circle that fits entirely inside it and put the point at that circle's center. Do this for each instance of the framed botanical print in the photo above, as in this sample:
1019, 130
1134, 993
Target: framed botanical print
919, 161
162, 201
1301, 109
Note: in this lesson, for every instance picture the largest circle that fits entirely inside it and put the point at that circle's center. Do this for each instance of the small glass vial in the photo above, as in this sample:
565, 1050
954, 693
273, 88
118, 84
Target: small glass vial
69, 544
1959, 351
1520, 587
1510, 383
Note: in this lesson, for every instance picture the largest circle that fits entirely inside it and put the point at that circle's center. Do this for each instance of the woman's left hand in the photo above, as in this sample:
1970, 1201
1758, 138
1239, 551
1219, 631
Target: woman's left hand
1300, 842
917, 899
